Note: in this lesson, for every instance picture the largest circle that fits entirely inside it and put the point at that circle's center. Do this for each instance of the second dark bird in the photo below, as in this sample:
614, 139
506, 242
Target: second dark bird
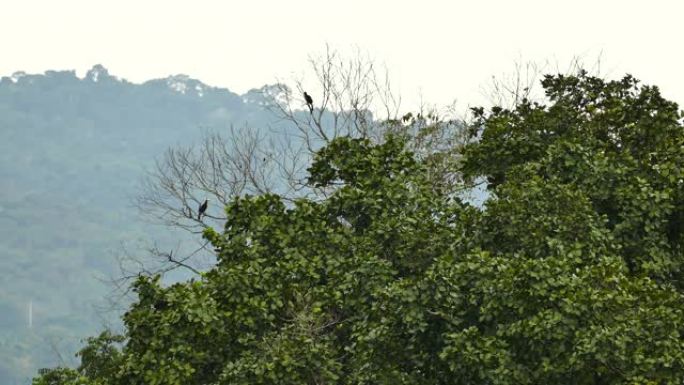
202, 209
309, 101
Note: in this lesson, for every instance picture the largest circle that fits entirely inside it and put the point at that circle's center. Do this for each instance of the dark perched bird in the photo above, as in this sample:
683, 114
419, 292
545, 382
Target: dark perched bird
309, 101
202, 209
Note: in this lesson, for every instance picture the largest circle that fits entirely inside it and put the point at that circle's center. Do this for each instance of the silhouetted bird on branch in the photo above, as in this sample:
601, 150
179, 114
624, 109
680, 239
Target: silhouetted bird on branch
309, 101
202, 209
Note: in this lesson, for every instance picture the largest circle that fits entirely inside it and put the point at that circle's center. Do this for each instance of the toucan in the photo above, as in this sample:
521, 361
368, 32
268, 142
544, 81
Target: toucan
202, 209
309, 101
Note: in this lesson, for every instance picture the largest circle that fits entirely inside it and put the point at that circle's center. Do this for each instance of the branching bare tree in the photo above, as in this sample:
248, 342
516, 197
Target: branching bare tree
524, 80
511, 88
219, 168
348, 94
351, 97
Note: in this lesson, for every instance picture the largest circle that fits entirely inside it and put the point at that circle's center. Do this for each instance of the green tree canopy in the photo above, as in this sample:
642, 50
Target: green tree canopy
571, 273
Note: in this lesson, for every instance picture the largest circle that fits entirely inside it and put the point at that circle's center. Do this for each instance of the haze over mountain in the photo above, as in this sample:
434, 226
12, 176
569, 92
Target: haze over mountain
72, 151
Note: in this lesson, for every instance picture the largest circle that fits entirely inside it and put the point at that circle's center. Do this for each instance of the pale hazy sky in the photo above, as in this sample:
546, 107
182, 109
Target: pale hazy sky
443, 50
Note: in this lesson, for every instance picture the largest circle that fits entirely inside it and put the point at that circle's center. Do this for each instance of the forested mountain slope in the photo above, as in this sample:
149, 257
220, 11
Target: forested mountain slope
72, 153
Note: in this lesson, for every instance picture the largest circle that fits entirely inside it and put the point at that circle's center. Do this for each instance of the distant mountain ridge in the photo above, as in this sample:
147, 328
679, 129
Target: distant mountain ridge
180, 82
72, 151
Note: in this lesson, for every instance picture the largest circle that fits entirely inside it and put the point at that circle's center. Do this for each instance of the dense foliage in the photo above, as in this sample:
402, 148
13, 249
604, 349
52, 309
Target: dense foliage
571, 273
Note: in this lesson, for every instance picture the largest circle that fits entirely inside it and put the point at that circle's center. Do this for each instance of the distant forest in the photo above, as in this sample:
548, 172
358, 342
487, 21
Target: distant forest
72, 154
